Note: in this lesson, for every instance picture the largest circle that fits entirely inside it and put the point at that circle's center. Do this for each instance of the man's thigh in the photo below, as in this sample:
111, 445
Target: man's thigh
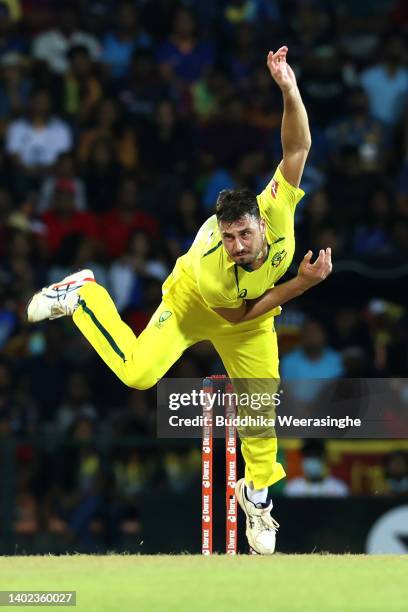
162, 342
249, 353
174, 326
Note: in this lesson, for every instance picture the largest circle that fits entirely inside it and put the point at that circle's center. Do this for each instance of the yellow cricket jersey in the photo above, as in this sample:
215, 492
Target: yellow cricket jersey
221, 283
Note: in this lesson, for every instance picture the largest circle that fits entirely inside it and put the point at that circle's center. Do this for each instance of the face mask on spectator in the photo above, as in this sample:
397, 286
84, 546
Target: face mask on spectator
313, 468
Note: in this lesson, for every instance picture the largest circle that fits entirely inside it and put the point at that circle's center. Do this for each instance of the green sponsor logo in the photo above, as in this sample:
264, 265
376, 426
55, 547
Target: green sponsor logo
166, 314
278, 258
243, 293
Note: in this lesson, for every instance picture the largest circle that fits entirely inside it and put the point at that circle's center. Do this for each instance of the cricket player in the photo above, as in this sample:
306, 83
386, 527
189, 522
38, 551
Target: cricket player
222, 290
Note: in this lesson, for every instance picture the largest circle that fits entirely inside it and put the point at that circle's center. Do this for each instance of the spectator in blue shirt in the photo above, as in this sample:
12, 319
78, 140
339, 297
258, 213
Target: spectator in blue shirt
183, 54
386, 84
358, 128
312, 361
120, 45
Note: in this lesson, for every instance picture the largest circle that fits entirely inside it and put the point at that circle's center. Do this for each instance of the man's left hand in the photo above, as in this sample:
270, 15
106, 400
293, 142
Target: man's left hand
280, 70
310, 274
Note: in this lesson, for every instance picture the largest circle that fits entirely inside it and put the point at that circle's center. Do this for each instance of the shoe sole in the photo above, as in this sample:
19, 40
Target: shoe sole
27, 307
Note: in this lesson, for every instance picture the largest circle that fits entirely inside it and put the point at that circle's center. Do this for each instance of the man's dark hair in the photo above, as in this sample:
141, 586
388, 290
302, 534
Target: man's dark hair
313, 448
233, 204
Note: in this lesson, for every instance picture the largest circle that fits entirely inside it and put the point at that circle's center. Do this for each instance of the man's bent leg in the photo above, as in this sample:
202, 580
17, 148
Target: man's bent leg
138, 361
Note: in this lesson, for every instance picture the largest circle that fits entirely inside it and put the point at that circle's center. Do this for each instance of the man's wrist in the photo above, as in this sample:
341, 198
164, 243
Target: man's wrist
301, 284
290, 92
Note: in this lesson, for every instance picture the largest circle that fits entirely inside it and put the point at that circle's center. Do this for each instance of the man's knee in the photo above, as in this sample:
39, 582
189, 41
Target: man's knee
139, 378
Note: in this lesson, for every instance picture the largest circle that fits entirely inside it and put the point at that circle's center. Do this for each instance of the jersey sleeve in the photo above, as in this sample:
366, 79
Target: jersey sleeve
277, 204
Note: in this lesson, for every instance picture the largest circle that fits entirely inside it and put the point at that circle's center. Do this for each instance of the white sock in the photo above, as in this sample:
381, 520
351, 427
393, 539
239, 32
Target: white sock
256, 496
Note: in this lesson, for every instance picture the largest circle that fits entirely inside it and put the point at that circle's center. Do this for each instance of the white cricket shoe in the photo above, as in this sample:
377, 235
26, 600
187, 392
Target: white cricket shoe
261, 528
59, 299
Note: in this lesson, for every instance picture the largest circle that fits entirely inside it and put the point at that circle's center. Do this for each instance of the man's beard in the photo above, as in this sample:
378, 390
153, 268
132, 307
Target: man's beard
244, 257
247, 259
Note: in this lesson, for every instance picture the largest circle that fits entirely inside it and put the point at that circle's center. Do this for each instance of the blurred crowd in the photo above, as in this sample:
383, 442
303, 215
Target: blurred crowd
121, 121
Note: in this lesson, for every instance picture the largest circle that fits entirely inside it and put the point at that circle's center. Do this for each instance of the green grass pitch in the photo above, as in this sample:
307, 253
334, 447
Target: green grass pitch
308, 583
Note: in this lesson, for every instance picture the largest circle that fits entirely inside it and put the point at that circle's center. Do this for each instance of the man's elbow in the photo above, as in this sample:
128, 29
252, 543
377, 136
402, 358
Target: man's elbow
233, 318
232, 315
299, 149
305, 144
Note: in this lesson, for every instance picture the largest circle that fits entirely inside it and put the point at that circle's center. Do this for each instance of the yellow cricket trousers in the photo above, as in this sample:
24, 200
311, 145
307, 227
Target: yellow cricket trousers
248, 350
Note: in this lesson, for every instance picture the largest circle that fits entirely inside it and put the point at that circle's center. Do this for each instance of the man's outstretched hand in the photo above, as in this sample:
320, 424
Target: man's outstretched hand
280, 70
310, 274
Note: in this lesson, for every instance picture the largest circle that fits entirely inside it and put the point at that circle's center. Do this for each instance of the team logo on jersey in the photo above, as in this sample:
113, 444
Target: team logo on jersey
166, 314
278, 258
274, 188
243, 293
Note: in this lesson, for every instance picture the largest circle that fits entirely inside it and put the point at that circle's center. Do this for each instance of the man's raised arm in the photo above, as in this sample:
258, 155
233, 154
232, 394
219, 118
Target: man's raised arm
295, 133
